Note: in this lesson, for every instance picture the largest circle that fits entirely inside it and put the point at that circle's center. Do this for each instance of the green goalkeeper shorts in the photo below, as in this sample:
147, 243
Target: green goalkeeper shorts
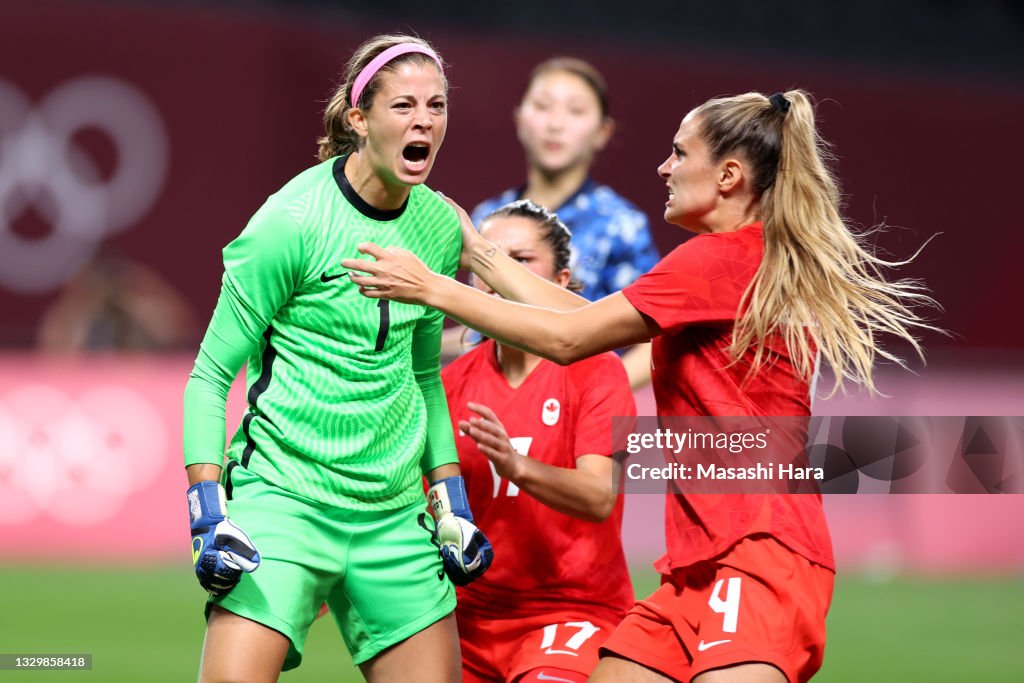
380, 572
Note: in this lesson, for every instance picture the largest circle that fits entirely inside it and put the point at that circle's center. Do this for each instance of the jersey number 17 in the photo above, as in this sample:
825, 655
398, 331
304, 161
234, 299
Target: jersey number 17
521, 445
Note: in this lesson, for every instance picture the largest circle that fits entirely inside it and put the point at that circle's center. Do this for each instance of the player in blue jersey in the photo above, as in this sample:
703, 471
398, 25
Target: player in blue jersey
563, 122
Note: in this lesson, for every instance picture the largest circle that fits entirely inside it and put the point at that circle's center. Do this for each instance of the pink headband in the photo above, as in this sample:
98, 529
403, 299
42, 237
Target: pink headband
371, 69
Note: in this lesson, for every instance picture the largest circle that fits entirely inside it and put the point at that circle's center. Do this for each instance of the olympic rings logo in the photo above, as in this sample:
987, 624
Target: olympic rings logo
76, 459
41, 170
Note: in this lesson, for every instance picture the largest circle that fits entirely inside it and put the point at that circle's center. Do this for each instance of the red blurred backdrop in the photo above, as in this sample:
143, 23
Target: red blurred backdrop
237, 101
240, 97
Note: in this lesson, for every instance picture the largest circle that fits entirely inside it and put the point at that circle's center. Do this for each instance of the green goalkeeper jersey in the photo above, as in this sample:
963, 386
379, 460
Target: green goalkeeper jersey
346, 405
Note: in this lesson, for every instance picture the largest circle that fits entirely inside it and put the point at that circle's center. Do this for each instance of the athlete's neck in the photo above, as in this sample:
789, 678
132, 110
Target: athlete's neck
730, 216
551, 190
515, 364
374, 190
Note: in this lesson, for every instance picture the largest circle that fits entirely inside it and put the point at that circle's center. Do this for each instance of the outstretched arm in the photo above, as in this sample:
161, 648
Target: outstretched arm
560, 336
507, 277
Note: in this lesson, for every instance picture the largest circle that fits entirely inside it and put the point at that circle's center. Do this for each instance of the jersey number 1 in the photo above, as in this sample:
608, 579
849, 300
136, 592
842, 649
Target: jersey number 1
382, 332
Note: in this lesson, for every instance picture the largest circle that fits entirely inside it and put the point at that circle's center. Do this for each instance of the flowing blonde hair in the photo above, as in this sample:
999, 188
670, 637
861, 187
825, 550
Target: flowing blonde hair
819, 286
340, 138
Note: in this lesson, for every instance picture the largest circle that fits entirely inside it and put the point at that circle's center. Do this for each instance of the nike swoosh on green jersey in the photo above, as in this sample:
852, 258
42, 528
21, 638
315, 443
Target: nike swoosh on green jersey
324, 277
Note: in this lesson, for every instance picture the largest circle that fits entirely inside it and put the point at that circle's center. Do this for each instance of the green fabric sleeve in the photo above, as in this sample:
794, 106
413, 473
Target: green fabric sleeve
426, 364
262, 267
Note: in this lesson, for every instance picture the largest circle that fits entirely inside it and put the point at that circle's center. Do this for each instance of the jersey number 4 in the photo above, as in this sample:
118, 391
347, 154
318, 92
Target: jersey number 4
729, 606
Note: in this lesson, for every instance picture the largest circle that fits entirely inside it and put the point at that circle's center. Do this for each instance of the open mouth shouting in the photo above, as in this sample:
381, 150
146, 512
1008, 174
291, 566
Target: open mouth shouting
416, 156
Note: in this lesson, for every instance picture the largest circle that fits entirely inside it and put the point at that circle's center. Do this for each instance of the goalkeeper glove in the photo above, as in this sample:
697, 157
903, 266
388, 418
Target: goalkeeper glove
220, 550
465, 551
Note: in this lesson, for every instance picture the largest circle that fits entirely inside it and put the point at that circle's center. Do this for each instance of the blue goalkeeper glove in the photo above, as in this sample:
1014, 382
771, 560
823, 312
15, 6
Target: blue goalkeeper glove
465, 551
220, 550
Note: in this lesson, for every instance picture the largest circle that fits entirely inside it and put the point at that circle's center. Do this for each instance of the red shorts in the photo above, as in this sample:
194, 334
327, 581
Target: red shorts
760, 602
559, 642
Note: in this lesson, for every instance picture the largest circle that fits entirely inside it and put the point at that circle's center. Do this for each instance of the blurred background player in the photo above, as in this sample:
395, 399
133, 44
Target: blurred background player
747, 579
563, 122
534, 445
346, 407
115, 302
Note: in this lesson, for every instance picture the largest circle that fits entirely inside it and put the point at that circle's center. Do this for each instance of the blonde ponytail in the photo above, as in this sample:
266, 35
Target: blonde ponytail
819, 285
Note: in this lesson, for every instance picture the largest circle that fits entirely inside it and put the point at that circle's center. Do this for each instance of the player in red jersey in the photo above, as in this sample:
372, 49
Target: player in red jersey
534, 444
739, 315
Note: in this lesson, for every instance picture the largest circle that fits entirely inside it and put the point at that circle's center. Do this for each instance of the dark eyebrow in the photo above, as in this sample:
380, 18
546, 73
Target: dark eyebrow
408, 96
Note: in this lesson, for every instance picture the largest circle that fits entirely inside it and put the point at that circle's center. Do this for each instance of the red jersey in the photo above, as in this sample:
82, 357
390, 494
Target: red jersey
544, 560
693, 296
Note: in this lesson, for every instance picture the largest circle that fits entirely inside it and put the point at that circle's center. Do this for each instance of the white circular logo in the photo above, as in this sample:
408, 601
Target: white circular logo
41, 170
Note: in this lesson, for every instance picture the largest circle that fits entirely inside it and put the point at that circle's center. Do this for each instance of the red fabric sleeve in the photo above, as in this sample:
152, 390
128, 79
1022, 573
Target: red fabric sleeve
701, 281
603, 393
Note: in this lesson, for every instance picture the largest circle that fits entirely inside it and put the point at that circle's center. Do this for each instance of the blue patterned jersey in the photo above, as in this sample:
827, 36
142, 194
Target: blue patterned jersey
611, 239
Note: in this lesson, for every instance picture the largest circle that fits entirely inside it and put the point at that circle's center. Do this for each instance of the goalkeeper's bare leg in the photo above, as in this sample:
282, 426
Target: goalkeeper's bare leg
237, 649
430, 656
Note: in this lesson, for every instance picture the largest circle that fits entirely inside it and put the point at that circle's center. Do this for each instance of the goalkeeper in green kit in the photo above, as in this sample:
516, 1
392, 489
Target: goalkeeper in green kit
322, 498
